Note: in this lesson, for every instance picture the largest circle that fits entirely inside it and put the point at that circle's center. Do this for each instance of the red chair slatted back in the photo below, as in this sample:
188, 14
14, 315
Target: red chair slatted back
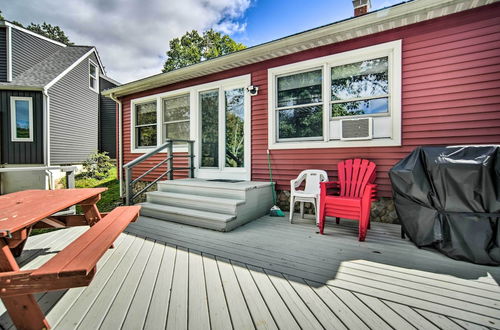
354, 175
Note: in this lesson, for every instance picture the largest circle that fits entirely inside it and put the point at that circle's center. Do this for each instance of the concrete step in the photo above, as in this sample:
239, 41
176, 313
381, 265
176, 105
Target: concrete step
236, 190
195, 202
210, 220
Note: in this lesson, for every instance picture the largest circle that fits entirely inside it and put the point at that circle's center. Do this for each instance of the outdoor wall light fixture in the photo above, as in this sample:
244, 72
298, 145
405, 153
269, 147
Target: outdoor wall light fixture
253, 90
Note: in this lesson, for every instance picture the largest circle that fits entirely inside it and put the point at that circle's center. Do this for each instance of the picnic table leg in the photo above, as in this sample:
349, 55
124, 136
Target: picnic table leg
91, 212
23, 310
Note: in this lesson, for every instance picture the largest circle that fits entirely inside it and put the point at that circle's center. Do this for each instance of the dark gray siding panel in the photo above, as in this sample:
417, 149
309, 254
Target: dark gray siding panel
3, 54
27, 50
107, 121
74, 121
21, 152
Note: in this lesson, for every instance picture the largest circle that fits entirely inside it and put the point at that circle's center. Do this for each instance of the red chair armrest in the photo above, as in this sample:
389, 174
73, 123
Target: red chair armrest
370, 191
329, 184
324, 186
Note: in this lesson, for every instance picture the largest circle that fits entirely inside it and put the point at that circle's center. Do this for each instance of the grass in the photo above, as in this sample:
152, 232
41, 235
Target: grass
109, 199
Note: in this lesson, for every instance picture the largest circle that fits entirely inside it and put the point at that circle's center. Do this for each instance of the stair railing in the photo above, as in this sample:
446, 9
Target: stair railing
130, 196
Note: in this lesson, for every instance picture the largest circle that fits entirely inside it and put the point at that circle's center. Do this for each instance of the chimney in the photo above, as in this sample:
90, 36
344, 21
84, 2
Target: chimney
361, 7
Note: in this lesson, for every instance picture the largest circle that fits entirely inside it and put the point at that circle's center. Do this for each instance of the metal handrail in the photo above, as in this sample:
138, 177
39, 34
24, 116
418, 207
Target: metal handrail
129, 182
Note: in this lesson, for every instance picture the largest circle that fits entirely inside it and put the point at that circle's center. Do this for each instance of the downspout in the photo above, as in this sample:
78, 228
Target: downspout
120, 155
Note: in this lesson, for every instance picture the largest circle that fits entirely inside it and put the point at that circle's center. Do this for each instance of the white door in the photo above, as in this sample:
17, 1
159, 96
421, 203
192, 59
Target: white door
224, 130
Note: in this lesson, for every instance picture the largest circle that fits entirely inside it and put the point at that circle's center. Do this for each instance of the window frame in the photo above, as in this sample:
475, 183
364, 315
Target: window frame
388, 96
13, 119
165, 123
391, 49
278, 108
159, 118
135, 147
96, 78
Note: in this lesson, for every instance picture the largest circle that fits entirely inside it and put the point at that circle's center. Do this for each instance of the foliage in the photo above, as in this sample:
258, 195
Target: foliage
111, 197
235, 120
45, 29
193, 48
97, 166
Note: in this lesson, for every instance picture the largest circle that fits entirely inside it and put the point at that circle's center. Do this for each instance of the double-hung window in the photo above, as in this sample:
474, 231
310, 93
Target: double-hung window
21, 118
299, 105
145, 124
93, 82
176, 117
313, 103
360, 88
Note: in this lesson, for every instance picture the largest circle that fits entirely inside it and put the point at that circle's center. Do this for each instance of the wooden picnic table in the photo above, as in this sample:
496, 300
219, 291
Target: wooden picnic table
74, 266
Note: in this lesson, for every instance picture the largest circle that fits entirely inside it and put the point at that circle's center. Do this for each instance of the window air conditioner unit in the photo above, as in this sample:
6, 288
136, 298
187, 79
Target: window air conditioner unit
356, 129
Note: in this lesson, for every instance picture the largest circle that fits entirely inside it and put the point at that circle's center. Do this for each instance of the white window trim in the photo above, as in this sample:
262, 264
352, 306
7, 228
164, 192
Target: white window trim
164, 123
195, 126
13, 120
390, 49
133, 147
96, 88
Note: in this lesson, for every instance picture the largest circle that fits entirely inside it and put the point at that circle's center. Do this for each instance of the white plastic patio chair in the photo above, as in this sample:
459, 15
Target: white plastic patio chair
310, 193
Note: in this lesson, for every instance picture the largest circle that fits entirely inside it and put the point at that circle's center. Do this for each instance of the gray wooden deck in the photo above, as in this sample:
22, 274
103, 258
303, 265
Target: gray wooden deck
268, 274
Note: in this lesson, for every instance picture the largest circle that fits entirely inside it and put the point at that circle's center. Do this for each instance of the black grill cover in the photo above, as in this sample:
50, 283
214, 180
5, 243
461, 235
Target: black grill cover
449, 198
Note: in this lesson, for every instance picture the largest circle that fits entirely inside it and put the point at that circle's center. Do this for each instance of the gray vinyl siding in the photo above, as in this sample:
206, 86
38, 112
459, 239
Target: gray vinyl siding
21, 152
3, 54
74, 121
107, 120
27, 50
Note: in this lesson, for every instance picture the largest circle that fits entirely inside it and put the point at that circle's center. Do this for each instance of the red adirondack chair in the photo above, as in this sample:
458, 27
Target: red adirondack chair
352, 194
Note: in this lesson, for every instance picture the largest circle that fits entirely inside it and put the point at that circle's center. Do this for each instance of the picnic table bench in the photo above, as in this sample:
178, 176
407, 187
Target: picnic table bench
74, 266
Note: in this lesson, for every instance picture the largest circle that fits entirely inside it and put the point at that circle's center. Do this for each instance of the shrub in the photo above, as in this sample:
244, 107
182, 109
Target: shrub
97, 165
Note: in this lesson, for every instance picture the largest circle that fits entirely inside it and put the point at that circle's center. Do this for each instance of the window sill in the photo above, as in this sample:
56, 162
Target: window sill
335, 144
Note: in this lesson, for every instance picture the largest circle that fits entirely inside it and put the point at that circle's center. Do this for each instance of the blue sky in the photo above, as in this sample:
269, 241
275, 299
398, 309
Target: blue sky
132, 36
268, 20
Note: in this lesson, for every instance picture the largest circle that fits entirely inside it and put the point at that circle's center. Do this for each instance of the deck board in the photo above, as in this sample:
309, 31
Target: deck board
268, 274
198, 317
218, 310
157, 310
177, 317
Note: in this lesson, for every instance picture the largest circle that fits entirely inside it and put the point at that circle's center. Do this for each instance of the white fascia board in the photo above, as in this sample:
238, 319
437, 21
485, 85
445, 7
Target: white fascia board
8, 37
99, 61
14, 26
373, 22
68, 69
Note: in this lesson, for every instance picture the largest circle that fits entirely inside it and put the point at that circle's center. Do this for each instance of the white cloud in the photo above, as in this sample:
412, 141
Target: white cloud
131, 36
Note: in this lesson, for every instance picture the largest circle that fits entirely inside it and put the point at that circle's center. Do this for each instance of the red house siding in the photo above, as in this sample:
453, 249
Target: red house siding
450, 95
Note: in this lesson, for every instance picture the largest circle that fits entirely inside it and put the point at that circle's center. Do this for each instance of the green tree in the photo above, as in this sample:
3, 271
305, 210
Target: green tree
193, 48
50, 31
53, 32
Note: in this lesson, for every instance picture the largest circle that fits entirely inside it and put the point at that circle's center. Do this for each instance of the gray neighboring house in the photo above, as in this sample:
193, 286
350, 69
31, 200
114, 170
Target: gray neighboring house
52, 112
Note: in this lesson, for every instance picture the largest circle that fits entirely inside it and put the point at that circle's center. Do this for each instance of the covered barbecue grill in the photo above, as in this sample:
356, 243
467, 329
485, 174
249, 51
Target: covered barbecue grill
449, 198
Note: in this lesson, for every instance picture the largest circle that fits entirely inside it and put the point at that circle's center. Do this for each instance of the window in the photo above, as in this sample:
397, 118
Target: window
176, 117
299, 105
145, 125
309, 99
93, 82
209, 112
360, 88
21, 116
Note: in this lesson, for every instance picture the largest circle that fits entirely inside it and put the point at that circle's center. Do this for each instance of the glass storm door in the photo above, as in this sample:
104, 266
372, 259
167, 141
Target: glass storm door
223, 145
